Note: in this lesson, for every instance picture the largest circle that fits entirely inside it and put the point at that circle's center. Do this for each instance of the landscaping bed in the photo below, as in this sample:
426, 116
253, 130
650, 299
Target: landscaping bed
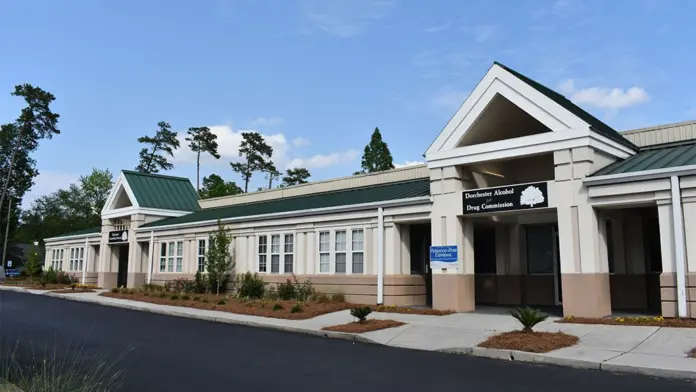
365, 326
37, 286
533, 342
70, 290
404, 310
288, 309
633, 321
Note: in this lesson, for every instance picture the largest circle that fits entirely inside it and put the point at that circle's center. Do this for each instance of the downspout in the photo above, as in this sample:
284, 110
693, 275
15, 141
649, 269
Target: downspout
85, 261
380, 256
150, 256
679, 245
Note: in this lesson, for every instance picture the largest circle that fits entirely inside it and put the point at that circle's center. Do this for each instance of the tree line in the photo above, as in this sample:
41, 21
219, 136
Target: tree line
79, 205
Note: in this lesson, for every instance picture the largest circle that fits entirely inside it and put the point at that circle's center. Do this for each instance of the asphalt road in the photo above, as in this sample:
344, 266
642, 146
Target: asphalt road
174, 354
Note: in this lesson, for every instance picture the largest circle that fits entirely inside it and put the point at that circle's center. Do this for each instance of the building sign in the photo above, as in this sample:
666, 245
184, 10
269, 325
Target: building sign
118, 236
444, 256
506, 198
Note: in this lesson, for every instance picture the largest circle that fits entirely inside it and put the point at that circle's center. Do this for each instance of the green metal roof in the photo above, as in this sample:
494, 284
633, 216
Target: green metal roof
369, 194
596, 125
162, 192
654, 157
84, 232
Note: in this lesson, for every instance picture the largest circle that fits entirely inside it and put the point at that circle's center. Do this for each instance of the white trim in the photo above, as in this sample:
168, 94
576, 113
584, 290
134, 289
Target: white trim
290, 214
641, 175
679, 246
197, 240
380, 256
348, 250
281, 252
526, 146
72, 236
498, 81
121, 183
151, 257
85, 261
127, 211
174, 256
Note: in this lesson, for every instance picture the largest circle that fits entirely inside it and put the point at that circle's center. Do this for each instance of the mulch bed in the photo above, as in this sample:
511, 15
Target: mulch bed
36, 286
533, 342
367, 326
633, 321
418, 311
71, 291
262, 308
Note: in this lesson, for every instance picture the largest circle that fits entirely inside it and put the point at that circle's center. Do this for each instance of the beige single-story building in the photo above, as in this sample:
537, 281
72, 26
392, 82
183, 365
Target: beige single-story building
524, 199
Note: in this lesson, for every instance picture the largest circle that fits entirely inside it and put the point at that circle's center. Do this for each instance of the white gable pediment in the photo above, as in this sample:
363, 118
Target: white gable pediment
500, 82
121, 198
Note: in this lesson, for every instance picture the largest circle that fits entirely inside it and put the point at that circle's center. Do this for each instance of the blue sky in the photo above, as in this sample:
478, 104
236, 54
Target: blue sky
316, 76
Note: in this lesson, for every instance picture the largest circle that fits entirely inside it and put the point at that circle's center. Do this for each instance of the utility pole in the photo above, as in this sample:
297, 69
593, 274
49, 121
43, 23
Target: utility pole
7, 230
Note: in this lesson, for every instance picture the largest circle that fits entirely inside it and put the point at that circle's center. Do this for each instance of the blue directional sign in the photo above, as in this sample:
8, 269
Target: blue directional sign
444, 254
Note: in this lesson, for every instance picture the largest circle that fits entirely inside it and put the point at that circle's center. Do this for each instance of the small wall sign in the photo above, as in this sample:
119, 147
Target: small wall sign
444, 256
118, 236
506, 198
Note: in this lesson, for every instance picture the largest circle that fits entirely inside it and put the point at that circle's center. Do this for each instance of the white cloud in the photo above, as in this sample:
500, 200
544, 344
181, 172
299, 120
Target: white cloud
48, 182
300, 142
437, 28
485, 33
408, 163
605, 97
268, 121
448, 99
320, 161
344, 18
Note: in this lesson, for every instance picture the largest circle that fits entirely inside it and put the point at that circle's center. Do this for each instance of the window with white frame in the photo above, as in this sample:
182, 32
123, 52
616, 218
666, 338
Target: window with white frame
342, 251
325, 252
121, 224
171, 256
281, 253
202, 250
57, 259
77, 258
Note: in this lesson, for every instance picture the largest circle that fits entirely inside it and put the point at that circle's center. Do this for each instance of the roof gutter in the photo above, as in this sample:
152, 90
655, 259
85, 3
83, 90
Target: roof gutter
641, 175
73, 236
313, 211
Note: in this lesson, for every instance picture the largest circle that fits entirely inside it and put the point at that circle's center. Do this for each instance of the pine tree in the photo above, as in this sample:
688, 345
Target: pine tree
298, 175
151, 158
377, 156
201, 139
256, 153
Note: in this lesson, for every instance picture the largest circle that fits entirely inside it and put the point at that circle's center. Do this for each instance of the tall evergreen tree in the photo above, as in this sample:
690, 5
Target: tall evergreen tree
256, 153
376, 156
298, 175
215, 186
152, 158
272, 173
201, 140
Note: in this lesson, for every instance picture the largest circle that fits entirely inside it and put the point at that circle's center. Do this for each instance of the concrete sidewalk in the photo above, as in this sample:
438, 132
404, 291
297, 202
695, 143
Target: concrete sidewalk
652, 351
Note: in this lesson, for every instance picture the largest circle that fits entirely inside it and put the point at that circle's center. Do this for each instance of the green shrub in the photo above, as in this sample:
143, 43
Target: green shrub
155, 288
338, 298
361, 313
303, 291
528, 317
251, 286
277, 307
51, 277
196, 298
322, 298
297, 308
185, 297
174, 297
286, 290
115, 290
221, 301
180, 285
201, 283
205, 300
271, 293
162, 294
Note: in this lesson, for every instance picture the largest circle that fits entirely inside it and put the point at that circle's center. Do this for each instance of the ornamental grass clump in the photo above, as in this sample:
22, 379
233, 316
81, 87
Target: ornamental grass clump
528, 317
361, 313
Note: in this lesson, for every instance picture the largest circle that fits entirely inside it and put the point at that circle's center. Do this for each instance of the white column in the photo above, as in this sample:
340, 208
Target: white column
690, 233
664, 212
392, 250
300, 253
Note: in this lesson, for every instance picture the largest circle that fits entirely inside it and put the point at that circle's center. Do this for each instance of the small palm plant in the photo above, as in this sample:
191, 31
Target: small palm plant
361, 313
528, 317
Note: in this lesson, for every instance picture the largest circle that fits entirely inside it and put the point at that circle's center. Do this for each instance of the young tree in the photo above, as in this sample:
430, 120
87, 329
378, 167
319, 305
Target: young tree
215, 186
33, 264
36, 121
256, 152
201, 139
96, 187
151, 158
376, 157
298, 175
219, 262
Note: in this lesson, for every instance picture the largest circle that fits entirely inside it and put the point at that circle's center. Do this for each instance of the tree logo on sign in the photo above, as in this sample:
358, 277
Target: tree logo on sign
531, 196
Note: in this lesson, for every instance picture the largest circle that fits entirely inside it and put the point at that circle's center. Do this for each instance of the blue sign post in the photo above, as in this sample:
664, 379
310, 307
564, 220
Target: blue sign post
444, 256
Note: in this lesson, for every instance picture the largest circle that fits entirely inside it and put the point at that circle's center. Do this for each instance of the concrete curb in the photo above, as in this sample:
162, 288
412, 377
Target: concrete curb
312, 332
541, 359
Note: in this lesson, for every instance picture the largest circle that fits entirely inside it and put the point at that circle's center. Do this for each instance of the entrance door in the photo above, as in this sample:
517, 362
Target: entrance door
543, 260
122, 279
420, 257
557, 264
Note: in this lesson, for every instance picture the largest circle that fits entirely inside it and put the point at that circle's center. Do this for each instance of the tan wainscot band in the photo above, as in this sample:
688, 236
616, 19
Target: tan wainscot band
546, 205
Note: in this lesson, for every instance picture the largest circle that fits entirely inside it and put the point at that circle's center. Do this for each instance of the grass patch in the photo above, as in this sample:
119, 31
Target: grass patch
290, 309
643, 321
404, 310
365, 326
533, 342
